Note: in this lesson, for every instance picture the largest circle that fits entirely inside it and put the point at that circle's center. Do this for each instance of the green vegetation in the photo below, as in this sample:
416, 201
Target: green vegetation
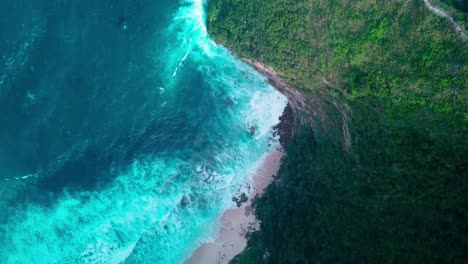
393, 189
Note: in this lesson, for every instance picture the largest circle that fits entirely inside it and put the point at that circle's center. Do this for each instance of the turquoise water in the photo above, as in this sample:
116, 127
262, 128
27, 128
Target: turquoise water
125, 130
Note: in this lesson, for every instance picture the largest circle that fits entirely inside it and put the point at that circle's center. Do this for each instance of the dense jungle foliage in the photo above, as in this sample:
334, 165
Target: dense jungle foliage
395, 76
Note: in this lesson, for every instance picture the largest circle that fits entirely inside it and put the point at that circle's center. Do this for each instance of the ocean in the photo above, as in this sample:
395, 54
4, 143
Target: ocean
124, 130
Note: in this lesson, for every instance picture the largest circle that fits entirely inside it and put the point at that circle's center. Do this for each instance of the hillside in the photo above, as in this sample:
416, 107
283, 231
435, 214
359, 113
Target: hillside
377, 169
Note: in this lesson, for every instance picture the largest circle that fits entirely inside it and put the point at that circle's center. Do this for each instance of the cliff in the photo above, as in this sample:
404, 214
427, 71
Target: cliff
378, 170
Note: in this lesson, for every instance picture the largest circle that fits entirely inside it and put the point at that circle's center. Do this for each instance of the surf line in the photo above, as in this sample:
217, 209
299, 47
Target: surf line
184, 58
27, 176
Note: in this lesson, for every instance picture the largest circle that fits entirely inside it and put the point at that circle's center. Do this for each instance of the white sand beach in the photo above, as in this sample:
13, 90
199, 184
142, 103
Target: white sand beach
235, 222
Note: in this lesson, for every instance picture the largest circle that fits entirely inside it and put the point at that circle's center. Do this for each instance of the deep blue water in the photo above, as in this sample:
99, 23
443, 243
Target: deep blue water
113, 113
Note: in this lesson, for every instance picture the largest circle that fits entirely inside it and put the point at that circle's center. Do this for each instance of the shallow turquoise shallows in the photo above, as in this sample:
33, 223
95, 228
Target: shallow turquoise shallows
124, 130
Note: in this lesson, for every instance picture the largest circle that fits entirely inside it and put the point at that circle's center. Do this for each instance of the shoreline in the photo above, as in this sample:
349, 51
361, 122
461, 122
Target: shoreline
237, 222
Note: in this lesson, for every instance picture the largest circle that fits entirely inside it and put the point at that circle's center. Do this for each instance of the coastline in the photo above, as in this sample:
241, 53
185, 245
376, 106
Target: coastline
237, 222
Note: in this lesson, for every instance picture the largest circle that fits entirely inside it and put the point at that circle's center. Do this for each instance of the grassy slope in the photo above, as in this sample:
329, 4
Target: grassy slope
399, 193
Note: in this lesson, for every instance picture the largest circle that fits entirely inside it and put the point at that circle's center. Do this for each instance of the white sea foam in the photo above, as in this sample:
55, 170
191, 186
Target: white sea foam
160, 208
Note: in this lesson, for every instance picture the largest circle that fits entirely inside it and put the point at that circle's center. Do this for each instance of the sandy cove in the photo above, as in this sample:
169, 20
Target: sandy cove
236, 222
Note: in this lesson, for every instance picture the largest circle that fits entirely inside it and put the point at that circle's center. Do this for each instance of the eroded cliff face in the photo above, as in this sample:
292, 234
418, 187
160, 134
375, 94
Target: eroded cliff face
308, 107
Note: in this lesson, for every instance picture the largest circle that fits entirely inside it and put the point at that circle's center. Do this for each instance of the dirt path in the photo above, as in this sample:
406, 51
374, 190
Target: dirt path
458, 28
